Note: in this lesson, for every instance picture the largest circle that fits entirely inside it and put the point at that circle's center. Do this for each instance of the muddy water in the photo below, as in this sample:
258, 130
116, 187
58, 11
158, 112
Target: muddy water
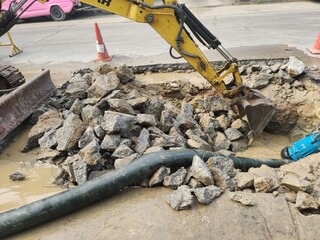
266, 146
39, 176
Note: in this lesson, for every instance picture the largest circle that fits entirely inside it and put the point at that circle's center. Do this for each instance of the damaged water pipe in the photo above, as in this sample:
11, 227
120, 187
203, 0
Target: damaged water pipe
41, 211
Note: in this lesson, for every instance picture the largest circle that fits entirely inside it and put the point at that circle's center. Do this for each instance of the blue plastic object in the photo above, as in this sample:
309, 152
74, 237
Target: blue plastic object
304, 147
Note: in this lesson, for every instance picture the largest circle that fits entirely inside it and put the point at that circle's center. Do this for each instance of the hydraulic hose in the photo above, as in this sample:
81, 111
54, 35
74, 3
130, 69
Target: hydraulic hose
35, 213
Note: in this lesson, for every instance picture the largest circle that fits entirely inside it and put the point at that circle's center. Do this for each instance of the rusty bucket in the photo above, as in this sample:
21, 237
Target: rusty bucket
257, 109
19, 104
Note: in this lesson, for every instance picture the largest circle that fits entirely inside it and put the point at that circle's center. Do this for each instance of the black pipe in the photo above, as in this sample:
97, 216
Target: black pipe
33, 214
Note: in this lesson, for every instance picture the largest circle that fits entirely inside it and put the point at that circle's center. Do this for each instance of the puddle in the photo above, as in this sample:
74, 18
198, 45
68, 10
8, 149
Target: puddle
39, 177
267, 146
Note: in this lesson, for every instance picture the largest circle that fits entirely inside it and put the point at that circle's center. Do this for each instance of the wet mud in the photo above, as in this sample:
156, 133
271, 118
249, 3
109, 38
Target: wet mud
39, 176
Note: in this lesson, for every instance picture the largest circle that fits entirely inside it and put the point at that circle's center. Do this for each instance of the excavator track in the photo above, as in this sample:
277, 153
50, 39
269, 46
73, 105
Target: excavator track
10, 77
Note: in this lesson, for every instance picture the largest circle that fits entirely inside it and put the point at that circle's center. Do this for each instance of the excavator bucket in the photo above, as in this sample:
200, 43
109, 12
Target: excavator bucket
17, 105
257, 109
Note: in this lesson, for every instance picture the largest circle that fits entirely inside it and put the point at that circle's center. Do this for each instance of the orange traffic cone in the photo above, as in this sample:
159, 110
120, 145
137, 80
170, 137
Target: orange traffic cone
102, 53
316, 48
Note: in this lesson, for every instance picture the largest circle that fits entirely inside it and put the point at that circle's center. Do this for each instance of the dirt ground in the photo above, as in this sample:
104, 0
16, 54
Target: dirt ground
143, 214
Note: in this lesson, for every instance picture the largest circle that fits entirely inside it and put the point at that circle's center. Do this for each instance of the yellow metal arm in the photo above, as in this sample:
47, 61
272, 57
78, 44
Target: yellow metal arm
166, 21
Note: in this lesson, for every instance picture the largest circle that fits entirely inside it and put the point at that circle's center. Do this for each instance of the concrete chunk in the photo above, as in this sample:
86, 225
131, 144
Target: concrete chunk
147, 120
295, 66
296, 184
185, 118
176, 179
103, 85
233, 134
87, 137
158, 176
91, 115
154, 106
223, 163
201, 172
114, 122
110, 142
181, 198
48, 140
221, 142
90, 154
244, 180
207, 194
70, 133
122, 151
120, 105
265, 184
47, 121
305, 201
143, 141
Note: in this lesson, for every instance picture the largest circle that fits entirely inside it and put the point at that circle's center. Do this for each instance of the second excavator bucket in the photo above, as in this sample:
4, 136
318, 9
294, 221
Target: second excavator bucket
19, 104
258, 110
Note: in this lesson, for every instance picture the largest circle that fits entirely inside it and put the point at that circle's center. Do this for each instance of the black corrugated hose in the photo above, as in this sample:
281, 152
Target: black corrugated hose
35, 213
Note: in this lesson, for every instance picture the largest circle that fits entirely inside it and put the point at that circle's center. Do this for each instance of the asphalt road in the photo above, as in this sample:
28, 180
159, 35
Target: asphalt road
249, 31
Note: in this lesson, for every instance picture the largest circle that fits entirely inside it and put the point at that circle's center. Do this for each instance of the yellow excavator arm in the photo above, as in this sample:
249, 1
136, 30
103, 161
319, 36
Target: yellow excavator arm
170, 20
178, 26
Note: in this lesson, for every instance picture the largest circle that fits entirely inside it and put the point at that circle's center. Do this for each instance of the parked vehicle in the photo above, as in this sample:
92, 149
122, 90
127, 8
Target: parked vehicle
58, 10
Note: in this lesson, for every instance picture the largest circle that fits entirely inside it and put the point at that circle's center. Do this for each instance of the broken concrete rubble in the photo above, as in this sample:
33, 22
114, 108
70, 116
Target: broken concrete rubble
290, 180
113, 120
48, 120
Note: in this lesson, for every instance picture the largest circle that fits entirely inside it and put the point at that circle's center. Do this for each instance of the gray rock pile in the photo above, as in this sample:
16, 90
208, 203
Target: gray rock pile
102, 120
201, 181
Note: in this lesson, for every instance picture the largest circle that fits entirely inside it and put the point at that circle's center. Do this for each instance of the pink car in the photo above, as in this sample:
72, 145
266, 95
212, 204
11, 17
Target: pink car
57, 9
